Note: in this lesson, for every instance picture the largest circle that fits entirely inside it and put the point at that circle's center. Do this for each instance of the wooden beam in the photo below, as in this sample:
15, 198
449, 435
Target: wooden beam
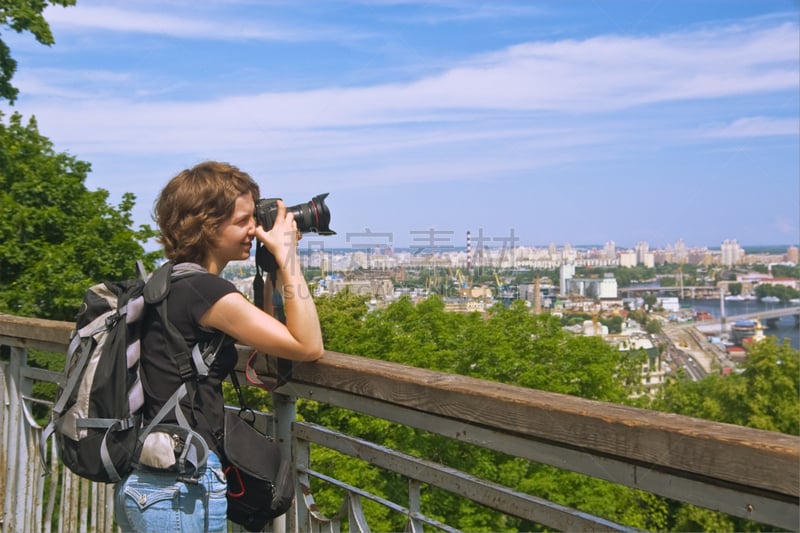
24, 332
698, 448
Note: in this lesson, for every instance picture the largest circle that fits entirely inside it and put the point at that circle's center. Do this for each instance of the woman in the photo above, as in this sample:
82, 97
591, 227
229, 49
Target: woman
205, 216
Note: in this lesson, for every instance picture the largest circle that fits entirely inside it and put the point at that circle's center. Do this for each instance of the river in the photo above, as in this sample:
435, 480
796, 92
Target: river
786, 327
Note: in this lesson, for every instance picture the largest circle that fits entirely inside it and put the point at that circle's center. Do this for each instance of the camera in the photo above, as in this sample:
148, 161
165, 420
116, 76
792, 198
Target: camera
312, 216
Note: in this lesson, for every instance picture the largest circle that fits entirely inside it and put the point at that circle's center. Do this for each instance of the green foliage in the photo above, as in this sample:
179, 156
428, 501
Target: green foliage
691, 518
766, 395
341, 317
22, 15
653, 326
781, 291
786, 271
508, 344
614, 324
511, 345
650, 300
637, 509
54, 232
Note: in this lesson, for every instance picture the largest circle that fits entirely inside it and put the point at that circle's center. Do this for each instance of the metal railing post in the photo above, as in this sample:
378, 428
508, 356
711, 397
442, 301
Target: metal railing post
301, 459
285, 414
16, 440
414, 505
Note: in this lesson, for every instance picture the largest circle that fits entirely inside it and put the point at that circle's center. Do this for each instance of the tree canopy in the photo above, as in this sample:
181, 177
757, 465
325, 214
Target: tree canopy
22, 15
508, 344
57, 237
512, 345
765, 395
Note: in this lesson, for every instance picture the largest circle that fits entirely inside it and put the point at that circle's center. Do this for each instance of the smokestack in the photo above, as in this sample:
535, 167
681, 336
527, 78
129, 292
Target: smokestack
469, 253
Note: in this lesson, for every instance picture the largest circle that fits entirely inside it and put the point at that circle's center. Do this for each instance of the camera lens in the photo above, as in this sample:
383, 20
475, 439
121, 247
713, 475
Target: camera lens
313, 216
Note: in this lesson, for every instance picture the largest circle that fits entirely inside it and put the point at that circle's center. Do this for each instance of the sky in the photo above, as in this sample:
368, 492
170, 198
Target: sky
524, 122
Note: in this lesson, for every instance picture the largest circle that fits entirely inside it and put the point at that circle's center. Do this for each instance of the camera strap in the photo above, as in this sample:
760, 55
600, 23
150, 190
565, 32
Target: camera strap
265, 261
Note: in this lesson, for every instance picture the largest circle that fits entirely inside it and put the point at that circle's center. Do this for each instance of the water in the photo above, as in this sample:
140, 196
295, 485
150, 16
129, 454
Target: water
785, 329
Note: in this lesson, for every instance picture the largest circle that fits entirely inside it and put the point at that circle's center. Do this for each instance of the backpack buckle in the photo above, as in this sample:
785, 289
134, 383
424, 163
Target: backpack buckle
112, 319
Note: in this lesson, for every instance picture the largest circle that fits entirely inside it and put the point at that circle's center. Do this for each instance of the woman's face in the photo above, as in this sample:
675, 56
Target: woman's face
236, 234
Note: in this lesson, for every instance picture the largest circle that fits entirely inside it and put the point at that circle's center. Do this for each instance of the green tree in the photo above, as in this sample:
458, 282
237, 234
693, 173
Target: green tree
780, 291
56, 237
786, 271
511, 345
22, 15
613, 323
766, 395
653, 326
342, 317
508, 344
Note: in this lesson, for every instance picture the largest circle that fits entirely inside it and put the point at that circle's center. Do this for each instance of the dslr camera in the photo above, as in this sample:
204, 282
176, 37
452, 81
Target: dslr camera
311, 217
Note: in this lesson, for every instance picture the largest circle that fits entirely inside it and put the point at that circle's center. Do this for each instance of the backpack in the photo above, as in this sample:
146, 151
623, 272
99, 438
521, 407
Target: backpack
97, 415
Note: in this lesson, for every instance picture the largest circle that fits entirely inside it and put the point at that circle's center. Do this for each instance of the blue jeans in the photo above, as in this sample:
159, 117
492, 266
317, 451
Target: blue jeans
151, 501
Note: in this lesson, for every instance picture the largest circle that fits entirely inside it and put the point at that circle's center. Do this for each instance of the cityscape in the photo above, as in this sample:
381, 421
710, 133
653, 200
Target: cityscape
691, 294
381, 272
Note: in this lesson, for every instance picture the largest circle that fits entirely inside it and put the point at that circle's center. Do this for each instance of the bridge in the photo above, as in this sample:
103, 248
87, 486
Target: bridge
694, 291
766, 315
740, 471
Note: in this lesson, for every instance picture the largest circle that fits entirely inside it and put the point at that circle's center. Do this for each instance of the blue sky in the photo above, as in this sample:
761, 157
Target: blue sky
547, 121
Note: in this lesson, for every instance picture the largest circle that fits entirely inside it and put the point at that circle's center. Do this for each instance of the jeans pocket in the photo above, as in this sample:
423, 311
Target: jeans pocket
150, 502
145, 499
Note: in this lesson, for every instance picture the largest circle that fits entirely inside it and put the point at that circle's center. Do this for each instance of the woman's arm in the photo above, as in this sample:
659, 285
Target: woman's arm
300, 338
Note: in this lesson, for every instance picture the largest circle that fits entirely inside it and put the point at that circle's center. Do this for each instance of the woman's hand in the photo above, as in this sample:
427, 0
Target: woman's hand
281, 239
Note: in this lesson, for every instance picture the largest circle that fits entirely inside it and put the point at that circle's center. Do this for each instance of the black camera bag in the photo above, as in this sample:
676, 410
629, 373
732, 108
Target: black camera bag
260, 480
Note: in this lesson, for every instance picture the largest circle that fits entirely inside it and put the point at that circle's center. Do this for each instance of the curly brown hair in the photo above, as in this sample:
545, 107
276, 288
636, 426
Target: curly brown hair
194, 204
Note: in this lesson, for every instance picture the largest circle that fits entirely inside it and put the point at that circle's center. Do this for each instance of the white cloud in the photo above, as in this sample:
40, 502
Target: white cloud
216, 26
593, 75
756, 127
503, 113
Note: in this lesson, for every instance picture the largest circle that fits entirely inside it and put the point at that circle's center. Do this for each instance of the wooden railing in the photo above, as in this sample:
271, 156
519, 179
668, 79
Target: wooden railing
740, 471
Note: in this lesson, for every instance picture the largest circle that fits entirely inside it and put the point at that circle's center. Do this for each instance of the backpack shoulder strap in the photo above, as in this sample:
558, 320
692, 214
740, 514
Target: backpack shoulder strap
192, 362
155, 294
157, 286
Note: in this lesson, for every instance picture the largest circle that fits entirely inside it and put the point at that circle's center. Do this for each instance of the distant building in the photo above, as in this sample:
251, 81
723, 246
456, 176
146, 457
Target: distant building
568, 254
593, 328
793, 255
610, 250
786, 282
594, 288
681, 253
731, 253
374, 288
627, 259
669, 303
642, 249
465, 306
654, 370
566, 272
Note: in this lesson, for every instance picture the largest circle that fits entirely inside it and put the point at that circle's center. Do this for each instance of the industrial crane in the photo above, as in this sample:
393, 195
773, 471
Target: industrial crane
462, 282
500, 286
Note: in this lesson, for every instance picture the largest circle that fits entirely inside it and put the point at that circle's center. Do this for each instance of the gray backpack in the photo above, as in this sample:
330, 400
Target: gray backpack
97, 415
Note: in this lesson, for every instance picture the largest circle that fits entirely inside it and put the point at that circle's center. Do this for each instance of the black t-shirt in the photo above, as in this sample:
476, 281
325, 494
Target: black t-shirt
189, 298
